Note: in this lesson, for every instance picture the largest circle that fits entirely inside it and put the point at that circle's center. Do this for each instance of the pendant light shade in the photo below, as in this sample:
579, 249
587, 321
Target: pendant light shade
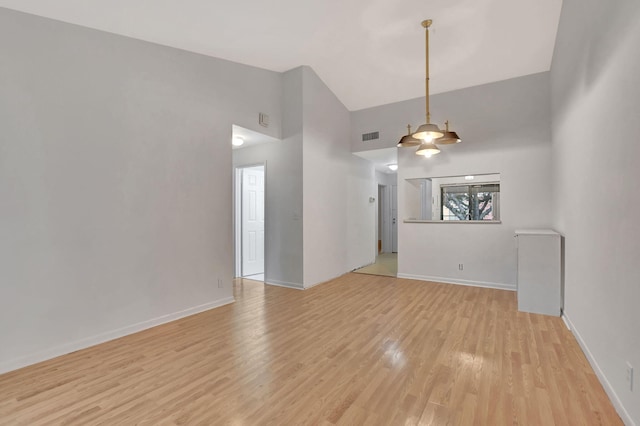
408, 139
449, 138
428, 132
428, 149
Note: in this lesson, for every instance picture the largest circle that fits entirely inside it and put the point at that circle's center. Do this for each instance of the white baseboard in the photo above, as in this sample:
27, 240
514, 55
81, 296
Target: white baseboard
77, 345
498, 286
321, 282
363, 266
566, 321
327, 280
298, 286
277, 283
626, 418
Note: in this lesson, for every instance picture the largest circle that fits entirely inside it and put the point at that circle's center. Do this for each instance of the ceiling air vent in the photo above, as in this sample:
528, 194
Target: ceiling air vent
370, 136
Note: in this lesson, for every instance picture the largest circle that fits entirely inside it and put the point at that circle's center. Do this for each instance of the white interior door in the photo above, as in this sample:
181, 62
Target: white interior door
379, 222
252, 220
394, 218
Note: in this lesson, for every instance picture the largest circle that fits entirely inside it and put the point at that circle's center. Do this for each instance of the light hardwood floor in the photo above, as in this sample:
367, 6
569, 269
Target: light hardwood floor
360, 349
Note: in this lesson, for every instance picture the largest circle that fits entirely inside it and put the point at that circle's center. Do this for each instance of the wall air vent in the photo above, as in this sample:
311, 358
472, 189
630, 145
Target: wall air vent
370, 136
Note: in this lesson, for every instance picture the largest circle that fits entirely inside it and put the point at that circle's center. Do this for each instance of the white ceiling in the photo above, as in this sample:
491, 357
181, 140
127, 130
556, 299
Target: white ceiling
369, 52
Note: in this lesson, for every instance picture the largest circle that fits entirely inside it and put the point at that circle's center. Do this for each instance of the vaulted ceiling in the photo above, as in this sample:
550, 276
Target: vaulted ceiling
369, 52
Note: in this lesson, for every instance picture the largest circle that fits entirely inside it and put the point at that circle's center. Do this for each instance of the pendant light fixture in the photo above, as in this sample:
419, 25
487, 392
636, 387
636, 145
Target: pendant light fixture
429, 134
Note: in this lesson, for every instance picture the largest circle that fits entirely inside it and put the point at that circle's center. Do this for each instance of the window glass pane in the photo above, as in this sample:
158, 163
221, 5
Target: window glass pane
470, 202
482, 205
455, 205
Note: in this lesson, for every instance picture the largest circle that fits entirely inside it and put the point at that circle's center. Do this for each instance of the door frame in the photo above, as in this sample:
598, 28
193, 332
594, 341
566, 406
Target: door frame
237, 216
384, 222
393, 199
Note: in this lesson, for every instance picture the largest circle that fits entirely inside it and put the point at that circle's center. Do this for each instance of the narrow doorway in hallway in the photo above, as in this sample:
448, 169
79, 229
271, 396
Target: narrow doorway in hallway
386, 262
394, 219
250, 182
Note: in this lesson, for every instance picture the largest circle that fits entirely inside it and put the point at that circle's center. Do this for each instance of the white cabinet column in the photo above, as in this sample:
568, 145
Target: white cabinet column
539, 275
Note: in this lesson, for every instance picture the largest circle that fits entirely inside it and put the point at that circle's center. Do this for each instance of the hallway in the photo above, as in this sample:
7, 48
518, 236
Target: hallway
386, 264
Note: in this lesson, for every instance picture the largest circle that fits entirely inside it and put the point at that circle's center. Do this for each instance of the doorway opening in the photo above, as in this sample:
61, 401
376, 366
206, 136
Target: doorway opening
386, 262
249, 220
387, 226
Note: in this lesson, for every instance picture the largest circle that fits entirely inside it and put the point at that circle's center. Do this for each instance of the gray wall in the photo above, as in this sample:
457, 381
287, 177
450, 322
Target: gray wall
339, 220
389, 120
115, 182
506, 129
596, 135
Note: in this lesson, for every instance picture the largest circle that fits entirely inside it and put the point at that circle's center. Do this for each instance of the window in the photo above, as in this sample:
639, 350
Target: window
471, 202
452, 199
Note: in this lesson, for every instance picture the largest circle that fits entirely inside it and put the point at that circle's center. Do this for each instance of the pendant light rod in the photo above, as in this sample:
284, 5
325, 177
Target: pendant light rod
427, 132
426, 24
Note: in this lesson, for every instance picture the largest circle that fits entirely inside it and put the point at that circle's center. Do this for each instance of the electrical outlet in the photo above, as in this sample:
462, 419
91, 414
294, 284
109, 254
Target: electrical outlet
219, 282
461, 266
630, 376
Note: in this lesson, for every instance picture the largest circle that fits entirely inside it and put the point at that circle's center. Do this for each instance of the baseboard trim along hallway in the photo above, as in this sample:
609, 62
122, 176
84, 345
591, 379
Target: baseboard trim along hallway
482, 284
